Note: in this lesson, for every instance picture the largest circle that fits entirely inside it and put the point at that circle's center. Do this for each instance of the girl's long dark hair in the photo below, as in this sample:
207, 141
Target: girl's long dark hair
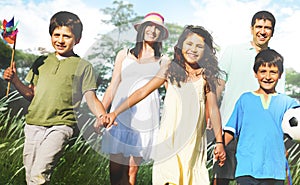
157, 46
177, 71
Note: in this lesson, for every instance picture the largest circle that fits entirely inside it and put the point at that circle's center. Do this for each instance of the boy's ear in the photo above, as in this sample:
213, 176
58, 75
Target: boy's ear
255, 74
77, 40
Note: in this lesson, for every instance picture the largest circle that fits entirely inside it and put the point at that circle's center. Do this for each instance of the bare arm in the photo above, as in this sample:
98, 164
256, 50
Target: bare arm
220, 88
94, 103
96, 107
215, 119
153, 84
141, 93
134, 98
214, 115
115, 80
10, 74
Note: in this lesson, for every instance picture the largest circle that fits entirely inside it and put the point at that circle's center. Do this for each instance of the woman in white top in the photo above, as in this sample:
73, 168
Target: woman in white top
131, 140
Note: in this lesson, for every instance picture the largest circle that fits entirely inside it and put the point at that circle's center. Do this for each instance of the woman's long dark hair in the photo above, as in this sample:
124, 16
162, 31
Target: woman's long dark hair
157, 46
177, 71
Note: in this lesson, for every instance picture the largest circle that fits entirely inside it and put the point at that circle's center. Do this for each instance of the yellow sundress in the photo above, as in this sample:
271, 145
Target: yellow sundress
180, 152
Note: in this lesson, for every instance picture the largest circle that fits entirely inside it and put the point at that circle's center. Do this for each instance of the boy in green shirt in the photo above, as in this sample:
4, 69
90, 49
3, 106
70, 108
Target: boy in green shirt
57, 84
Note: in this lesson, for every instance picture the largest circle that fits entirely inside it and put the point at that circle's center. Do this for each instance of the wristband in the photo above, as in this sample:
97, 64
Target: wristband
219, 142
101, 115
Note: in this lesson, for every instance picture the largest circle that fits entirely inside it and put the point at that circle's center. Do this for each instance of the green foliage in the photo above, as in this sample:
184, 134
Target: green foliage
293, 83
174, 32
106, 53
11, 143
5, 54
121, 16
22, 59
294, 161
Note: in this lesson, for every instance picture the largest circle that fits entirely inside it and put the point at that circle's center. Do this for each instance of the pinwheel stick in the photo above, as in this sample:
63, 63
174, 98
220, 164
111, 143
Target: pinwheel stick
11, 64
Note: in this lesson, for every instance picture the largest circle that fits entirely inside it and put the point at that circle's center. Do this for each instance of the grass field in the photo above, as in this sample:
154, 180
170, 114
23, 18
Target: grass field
80, 164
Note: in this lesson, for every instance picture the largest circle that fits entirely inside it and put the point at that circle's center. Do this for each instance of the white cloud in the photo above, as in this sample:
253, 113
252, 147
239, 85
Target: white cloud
287, 38
34, 22
230, 21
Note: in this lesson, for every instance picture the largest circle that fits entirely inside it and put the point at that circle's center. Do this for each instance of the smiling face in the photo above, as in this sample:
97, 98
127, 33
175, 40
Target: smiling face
262, 32
152, 33
267, 77
63, 41
193, 48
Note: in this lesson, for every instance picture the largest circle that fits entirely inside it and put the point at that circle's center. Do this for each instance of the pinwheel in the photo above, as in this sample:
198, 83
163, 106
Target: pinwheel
9, 32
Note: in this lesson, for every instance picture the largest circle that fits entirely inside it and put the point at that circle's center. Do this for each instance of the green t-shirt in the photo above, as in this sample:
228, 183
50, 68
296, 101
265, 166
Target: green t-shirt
60, 85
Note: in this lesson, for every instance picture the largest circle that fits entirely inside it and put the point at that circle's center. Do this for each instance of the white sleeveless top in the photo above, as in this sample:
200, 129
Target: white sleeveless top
134, 134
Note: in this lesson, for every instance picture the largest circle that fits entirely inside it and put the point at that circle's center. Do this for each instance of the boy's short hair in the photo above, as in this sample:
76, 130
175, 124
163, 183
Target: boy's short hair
64, 18
268, 57
265, 15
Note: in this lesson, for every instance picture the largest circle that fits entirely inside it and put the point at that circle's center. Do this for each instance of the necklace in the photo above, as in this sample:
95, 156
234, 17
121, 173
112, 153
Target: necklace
194, 74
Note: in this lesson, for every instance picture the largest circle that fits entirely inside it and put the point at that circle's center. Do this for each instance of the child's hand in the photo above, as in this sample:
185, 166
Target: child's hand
98, 125
108, 120
10, 73
220, 153
104, 121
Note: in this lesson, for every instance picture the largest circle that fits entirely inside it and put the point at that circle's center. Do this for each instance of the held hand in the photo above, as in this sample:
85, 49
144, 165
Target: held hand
108, 120
220, 153
98, 125
10, 73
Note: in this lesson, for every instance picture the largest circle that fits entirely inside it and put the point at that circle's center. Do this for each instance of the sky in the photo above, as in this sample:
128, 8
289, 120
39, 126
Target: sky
227, 20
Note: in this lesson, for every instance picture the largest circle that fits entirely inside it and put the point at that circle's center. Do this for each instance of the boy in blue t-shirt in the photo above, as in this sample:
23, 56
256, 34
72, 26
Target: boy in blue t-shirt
256, 122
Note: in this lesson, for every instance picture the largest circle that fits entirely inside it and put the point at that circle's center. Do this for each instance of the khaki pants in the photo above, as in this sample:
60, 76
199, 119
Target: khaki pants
42, 149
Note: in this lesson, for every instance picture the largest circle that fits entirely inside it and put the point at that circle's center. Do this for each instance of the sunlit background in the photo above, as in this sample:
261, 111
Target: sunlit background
228, 20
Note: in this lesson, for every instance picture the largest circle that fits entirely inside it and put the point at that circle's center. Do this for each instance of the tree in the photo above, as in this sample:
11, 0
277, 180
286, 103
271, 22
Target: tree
292, 85
23, 59
106, 48
174, 31
121, 16
5, 55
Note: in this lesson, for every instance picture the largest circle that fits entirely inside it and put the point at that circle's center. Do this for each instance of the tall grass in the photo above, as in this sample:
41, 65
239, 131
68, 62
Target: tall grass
294, 162
11, 143
81, 162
